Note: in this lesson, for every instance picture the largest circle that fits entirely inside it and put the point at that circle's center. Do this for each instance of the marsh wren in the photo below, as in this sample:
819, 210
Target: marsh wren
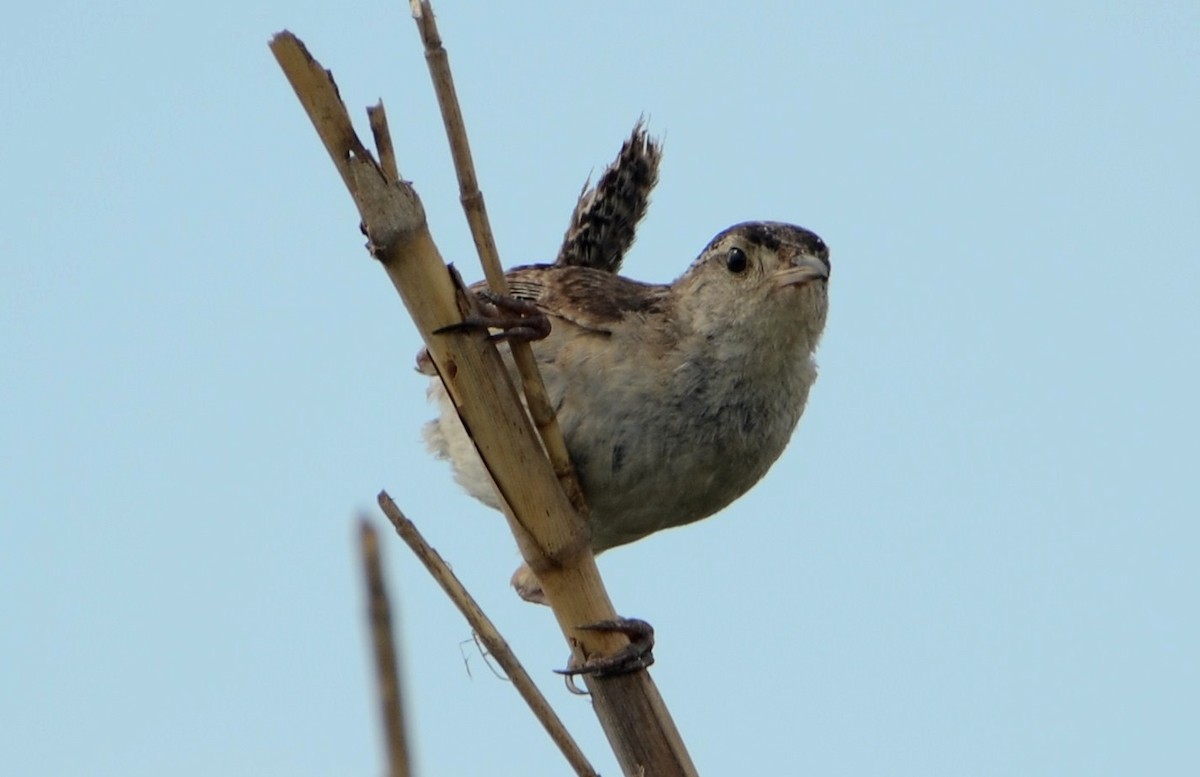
674, 399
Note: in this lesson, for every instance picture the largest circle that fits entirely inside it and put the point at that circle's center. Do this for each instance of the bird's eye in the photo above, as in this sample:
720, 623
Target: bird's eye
736, 261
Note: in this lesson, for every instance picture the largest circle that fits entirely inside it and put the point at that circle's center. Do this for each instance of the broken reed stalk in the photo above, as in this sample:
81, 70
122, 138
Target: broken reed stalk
552, 537
485, 244
489, 635
383, 141
379, 615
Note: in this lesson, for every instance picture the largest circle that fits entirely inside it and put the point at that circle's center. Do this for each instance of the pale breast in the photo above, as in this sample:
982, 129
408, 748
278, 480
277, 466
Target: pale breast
654, 453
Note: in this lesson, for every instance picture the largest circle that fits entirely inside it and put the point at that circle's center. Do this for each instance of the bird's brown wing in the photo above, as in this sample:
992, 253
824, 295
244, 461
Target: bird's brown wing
590, 298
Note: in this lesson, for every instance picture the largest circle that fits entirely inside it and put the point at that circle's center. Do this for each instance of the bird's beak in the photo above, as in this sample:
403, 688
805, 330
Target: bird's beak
804, 268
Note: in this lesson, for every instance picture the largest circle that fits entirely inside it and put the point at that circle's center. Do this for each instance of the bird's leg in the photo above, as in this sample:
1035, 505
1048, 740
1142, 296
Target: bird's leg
634, 657
517, 319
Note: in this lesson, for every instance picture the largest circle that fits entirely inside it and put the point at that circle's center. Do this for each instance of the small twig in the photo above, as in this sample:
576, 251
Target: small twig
379, 614
488, 634
538, 401
486, 655
383, 141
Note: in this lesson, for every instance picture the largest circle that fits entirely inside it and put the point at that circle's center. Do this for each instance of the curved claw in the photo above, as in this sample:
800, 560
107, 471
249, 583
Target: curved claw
634, 657
518, 319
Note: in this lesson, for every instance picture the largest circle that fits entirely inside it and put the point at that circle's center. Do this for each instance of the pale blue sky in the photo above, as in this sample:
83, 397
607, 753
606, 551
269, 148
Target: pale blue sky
978, 557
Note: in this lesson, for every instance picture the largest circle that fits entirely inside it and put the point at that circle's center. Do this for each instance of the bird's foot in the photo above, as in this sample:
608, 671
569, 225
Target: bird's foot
634, 657
527, 585
517, 319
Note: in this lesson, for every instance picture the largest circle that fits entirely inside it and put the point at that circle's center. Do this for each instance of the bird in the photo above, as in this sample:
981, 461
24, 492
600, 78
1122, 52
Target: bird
673, 399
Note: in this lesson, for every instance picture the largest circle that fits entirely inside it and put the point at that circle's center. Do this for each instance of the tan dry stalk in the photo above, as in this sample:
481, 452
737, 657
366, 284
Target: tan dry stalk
551, 535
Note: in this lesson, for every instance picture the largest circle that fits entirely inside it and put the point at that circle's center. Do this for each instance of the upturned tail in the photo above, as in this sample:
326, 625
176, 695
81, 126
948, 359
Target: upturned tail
604, 224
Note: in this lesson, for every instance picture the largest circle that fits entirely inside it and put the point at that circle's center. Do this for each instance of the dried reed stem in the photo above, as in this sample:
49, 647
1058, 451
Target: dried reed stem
536, 397
489, 635
387, 675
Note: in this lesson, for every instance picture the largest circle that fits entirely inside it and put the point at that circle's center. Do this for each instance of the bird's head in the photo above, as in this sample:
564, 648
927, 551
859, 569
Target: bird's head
758, 281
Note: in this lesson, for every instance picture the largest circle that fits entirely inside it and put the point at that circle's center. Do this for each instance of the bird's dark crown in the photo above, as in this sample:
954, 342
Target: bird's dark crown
772, 234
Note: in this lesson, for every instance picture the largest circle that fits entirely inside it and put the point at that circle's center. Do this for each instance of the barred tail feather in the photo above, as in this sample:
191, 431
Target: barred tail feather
604, 224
